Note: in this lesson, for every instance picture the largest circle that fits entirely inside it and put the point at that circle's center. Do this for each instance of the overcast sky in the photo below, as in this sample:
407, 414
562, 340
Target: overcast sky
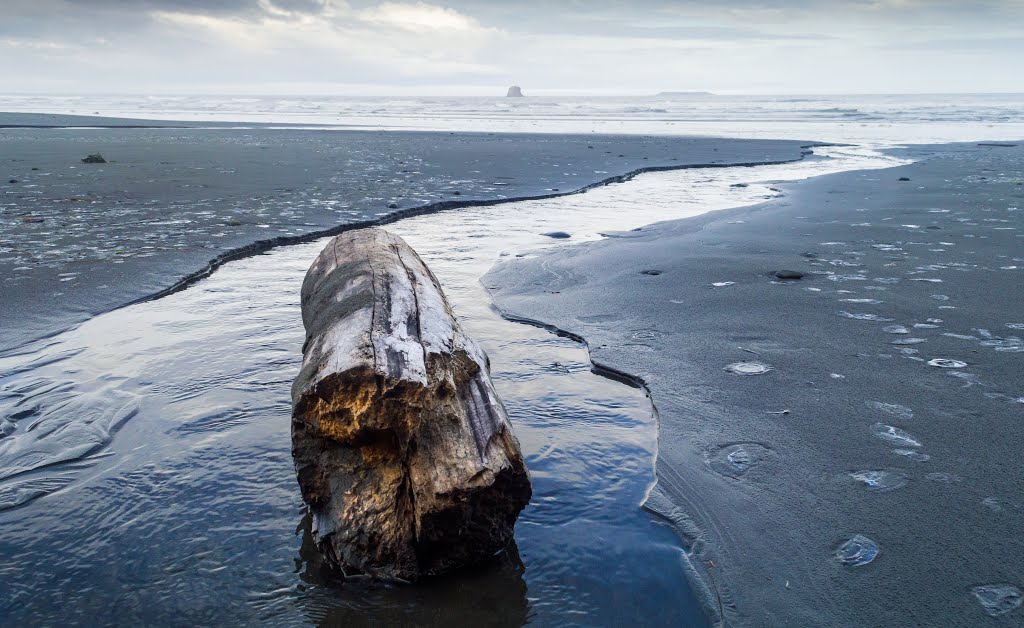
479, 47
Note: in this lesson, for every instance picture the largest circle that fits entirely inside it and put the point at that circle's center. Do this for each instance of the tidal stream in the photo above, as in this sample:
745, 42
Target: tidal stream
145, 468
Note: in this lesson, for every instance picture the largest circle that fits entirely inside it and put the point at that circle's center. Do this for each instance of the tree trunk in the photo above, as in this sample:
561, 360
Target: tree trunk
403, 451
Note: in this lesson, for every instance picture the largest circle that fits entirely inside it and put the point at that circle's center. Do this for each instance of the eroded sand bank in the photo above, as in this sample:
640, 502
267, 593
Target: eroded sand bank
891, 407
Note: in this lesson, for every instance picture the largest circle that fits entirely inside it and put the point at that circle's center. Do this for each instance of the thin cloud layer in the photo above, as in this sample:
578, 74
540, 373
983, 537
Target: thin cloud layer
473, 46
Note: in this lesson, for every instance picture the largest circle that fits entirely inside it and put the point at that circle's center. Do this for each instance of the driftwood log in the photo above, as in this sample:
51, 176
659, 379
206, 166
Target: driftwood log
403, 451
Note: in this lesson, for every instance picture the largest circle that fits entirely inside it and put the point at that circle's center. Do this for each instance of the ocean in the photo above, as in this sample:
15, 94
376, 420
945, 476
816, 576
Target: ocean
878, 119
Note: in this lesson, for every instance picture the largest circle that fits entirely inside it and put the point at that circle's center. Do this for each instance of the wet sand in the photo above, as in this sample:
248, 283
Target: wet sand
890, 397
173, 203
20, 120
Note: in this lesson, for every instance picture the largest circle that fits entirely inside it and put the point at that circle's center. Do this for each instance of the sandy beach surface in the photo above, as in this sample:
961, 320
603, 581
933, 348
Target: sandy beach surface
876, 400
838, 449
30, 120
84, 238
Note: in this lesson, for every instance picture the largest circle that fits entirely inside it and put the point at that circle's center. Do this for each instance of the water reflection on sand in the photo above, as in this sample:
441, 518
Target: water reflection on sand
146, 453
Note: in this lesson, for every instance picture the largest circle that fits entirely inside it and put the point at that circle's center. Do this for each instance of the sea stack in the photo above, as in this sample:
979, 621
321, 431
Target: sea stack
403, 451
514, 92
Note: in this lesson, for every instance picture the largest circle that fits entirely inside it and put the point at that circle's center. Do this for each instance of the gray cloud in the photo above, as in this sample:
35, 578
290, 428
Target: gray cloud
785, 45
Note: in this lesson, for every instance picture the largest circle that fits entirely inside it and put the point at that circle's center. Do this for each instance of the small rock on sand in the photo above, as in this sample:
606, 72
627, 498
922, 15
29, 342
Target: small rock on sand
788, 274
558, 235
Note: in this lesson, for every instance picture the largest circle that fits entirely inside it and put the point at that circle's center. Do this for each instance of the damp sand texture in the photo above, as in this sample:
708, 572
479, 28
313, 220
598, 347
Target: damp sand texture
819, 473
79, 239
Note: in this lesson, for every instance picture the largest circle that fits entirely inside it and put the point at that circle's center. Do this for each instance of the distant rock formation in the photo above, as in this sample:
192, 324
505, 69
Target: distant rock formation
95, 158
514, 92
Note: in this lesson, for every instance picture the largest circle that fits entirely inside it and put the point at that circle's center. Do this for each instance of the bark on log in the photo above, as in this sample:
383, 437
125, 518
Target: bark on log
403, 451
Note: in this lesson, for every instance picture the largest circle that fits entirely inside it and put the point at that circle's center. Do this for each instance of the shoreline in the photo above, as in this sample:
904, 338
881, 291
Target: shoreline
166, 267
10, 120
699, 579
532, 290
262, 246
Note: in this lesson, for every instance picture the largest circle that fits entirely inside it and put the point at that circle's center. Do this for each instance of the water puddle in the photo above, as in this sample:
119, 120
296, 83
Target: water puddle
881, 481
737, 459
997, 599
892, 409
858, 551
894, 435
747, 368
146, 454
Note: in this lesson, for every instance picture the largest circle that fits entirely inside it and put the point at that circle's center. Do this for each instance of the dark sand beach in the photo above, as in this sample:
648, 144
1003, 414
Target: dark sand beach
414, 313
893, 404
173, 202
161, 428
882, 399
27, 120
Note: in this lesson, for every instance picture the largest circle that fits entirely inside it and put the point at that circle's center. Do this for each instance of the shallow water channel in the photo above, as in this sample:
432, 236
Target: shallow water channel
145, 468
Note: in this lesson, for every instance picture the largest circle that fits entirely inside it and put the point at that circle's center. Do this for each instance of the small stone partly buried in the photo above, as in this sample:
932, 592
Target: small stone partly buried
788, 274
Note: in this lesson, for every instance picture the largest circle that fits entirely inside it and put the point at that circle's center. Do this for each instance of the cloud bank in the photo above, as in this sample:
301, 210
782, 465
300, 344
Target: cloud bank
476, 46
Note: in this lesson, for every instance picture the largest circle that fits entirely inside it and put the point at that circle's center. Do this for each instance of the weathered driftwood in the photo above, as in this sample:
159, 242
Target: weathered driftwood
403, 451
